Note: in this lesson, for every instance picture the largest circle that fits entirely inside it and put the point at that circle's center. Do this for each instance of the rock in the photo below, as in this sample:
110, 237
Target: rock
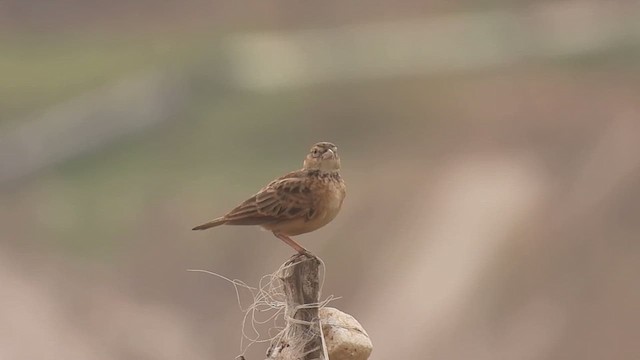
346, 339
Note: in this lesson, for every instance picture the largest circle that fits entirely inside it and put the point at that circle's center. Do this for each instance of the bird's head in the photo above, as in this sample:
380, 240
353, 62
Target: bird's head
323, 156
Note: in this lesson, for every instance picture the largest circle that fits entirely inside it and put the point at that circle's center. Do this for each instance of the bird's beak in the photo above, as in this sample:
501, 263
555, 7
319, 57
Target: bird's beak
329, 154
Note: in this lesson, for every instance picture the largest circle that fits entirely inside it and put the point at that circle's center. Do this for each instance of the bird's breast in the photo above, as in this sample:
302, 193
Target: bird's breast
327, 203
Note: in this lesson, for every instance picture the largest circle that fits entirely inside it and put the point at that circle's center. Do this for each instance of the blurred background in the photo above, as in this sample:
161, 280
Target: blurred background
491, 151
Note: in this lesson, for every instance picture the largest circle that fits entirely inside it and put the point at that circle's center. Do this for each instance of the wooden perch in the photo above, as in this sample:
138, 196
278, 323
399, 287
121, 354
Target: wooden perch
303, 339
311, 330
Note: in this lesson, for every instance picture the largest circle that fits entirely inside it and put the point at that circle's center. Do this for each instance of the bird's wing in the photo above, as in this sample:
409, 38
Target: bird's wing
287, 197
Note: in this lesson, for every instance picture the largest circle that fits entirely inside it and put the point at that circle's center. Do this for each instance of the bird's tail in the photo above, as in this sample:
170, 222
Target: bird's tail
210, 224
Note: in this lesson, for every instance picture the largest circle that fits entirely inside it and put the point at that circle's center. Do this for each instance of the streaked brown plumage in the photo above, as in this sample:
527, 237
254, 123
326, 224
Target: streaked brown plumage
296, 203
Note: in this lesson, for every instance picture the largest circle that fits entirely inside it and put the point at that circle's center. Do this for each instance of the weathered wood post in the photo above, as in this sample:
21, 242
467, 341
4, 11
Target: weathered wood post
303, 337
313, 333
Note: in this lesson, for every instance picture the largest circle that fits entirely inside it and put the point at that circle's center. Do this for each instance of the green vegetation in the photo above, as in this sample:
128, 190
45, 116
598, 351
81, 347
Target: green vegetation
38, 70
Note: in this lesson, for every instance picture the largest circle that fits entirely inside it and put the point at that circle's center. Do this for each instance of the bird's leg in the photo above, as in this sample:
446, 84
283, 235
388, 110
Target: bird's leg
289, 241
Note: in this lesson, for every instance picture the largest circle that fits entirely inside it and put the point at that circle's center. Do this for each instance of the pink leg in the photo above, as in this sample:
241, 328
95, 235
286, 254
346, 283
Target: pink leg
289, 241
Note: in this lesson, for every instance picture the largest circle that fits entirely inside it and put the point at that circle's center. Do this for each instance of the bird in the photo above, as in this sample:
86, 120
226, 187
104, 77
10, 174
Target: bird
296, 203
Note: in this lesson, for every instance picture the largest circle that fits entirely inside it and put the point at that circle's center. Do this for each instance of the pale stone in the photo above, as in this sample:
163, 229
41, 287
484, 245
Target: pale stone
345, 338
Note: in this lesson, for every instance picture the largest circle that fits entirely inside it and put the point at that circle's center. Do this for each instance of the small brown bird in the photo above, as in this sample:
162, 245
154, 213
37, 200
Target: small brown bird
296, 203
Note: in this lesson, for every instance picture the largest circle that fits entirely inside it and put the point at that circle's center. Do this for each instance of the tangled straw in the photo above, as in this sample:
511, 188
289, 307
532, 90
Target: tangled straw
268, 306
